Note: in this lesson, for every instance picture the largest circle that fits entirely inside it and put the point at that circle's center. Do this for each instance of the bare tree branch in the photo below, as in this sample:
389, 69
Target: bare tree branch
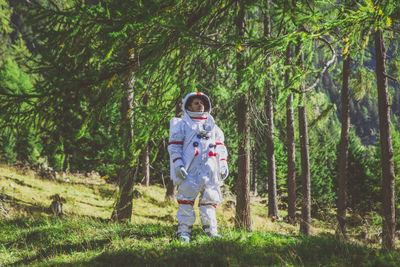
391, 77
327, 65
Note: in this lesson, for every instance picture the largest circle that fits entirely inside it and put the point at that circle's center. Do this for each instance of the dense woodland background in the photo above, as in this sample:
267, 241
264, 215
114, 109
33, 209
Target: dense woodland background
91, 86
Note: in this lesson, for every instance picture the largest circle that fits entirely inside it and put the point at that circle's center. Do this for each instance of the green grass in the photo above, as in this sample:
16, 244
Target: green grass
84, 236
83, 241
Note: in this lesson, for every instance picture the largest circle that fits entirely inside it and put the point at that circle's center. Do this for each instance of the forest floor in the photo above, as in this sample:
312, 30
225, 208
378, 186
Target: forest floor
84, 236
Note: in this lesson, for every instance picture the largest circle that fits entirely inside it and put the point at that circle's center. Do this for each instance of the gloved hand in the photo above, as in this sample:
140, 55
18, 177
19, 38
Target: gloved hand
224, 172
181, 172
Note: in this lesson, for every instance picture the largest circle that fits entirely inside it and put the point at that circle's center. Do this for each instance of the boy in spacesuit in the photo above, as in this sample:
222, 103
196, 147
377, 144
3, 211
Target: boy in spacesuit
198, 164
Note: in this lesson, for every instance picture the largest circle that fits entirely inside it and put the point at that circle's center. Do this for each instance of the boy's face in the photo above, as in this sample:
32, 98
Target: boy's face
197, 105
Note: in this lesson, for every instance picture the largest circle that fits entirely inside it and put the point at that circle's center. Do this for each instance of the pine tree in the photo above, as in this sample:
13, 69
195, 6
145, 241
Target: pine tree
243, 217
344, 146
272, 201
388, 223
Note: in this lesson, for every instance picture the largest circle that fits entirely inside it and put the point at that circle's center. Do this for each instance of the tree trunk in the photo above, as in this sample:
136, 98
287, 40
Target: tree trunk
254, 171
171, 191
272, 203
123, 209
146, 166
305, 170
145, 155
291, 157
344, 147
170, 195
304, 153
388, 224
66, 162
243, 217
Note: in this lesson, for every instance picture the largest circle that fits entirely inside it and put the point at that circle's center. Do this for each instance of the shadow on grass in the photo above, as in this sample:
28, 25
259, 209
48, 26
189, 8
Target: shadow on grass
22, 205
165, 218
161, 204
50, 237
20, 182
155, 245
91, 204
255, 250
101, 189
106, 192
64, 249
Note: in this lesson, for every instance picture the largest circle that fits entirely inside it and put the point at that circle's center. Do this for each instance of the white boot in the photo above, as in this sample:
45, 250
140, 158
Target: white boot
186, 219
211, 232
184, 237
209, 220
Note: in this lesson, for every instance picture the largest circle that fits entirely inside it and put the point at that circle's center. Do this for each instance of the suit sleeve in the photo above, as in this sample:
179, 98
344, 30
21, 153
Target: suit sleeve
221, 149
175, 145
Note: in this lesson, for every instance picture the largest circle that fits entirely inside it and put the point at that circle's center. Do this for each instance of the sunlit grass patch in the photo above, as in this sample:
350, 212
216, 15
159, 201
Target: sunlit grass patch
32, 195
152, 207
41, 237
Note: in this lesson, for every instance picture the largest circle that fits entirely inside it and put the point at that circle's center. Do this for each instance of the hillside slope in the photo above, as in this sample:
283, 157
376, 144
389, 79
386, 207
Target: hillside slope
31, 235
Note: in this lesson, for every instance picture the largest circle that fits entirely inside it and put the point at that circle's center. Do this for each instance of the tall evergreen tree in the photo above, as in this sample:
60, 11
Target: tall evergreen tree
344, 146
290, 131
272, 201
145, 159
243, 216
305, 224
123, 208
171, 188
290, 145
388, 177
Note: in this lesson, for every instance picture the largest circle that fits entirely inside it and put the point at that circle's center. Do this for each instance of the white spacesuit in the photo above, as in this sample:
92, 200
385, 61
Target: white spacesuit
198, 165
